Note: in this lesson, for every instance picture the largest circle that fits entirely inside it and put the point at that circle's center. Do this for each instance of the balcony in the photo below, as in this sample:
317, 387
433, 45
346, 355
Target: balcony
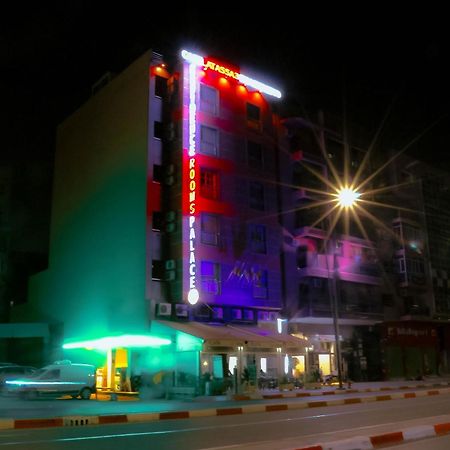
349, 269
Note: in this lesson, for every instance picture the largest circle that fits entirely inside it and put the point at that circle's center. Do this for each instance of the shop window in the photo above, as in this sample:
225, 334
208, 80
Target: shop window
160, 86
209, 139
257, 238
209, 183
209, 99
210, 224
210, 277
256, 195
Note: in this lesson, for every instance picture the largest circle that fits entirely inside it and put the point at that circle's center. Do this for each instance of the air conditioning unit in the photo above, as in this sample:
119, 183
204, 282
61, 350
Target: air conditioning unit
170, 216
170, 264
181, 310
170, 275
169, 180
170, 169
163, 309
170, 227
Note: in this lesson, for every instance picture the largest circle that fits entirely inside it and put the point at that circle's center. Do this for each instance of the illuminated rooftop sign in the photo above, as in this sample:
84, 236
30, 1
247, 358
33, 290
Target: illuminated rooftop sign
197, 60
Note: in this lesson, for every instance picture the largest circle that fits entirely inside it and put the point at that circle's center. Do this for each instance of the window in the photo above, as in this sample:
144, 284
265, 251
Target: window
256, 195
302, 257
209, 183
208, 140
157, 221
160, 86
158, 173
253, 117
254, 155
210, 229
210, 277
158, 129
158, 270
208, 99
257, 238
260, 284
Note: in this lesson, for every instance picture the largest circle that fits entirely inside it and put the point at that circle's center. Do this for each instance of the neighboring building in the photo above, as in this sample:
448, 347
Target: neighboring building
165, 224
321, 264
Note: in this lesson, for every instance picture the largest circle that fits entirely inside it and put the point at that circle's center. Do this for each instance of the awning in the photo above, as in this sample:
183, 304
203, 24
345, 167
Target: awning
231, 335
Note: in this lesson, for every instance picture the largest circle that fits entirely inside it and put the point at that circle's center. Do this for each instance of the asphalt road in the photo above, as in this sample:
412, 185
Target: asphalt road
257, 431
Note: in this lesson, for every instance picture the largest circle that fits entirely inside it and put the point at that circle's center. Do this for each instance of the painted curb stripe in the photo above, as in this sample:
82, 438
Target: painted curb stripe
276, 408
317, 404
387, 438
442, 428
174, 415
118, 418
228, 411
409, 395
38, 423
303, 394
270, 396
435, 392
350, 401
382, 398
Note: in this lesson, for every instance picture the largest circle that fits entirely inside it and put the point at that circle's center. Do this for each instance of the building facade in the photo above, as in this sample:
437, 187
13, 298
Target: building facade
165, 218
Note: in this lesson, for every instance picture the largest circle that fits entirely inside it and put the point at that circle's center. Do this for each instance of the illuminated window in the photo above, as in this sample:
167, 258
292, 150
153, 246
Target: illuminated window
209, 100
208, 140
257, 238
160, 86
210, 229
254, 155
210, 273
256, 195
253, 116
209, 184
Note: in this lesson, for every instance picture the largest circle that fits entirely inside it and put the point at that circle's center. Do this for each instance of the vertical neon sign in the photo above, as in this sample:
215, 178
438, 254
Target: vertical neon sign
191, 179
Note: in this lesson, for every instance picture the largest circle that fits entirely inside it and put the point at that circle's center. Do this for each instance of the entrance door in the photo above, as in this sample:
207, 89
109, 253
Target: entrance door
324, 363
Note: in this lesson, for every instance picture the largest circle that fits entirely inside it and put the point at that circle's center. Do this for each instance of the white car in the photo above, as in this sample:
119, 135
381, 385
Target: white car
60, 378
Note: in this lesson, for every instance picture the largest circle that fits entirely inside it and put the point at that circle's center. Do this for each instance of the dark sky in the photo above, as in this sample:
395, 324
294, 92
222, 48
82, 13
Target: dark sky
50, 57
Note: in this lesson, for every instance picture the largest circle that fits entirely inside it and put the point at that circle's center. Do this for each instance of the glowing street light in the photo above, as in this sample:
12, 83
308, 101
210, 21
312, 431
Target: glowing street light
347, 197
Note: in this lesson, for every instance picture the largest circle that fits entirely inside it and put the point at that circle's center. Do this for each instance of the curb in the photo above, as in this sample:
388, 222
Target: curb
382, 440
75, 421
291, 394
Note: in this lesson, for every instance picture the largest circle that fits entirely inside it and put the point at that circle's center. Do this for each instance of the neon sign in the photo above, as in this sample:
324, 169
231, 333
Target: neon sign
193, 294
197, 60
221, 69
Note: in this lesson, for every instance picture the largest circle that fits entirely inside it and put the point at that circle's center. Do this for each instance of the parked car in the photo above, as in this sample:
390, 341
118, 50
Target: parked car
55, 380
10, 371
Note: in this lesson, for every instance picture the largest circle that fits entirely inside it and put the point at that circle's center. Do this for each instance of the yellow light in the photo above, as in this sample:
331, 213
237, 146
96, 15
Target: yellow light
347, 197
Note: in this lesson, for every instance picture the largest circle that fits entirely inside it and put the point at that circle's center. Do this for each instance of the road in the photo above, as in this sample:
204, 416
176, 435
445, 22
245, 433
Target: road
257, 431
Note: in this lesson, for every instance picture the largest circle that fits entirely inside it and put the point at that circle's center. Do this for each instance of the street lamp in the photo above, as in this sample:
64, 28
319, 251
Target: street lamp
346, 199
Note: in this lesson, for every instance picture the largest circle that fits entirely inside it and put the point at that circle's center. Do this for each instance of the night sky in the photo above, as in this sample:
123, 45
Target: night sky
50, 57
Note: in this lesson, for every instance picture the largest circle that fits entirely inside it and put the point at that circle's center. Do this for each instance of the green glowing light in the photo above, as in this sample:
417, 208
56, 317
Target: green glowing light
125, 340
